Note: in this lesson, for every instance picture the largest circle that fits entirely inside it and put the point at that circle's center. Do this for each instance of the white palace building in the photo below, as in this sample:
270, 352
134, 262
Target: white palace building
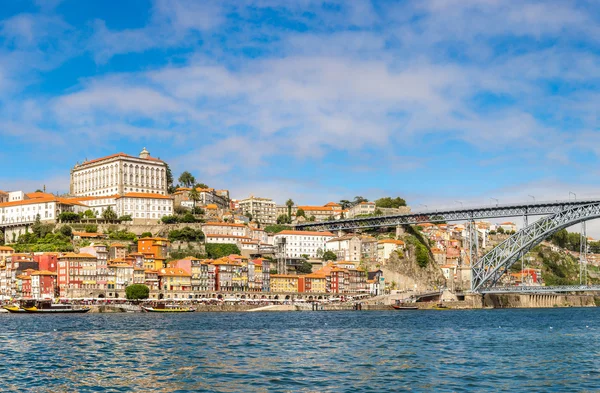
119, 174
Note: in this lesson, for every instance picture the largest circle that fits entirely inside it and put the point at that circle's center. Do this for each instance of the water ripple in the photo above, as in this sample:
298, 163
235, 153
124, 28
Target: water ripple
453, 351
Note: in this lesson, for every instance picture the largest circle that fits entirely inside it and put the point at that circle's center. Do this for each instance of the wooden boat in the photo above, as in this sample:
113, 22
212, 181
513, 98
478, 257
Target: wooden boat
47, 307
168, 309
163, 306
441, 306
404, 306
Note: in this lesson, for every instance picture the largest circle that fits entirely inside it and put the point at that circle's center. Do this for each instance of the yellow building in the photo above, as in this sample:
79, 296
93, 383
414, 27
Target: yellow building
284, 283
174, 279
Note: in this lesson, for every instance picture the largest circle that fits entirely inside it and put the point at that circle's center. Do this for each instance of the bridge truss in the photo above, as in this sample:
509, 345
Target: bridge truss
486, 271
466, 214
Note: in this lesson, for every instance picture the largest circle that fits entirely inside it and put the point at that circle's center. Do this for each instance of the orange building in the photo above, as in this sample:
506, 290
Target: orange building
157, 246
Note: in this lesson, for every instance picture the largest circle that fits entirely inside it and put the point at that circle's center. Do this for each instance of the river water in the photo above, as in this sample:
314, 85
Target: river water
535, 350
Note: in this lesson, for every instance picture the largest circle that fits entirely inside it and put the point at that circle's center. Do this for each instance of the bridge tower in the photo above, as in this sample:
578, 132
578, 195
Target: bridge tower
583, 255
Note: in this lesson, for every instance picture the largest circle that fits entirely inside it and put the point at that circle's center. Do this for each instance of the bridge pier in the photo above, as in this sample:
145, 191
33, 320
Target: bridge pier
399, 231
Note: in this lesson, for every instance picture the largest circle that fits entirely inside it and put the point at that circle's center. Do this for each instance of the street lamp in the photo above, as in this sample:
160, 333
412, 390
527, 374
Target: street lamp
531, 196
461, 204
574, 195
495, 200
420, 204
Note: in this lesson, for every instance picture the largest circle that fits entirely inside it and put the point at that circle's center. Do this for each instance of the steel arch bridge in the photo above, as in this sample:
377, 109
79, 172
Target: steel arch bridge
432, 216
488, 269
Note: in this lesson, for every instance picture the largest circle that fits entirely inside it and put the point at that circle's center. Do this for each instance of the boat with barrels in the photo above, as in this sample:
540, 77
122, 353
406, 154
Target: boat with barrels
400, 305
166, 308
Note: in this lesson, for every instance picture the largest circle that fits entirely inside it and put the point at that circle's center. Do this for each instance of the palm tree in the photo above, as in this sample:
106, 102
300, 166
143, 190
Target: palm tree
289, 203
194, 196
109, 214
187, 179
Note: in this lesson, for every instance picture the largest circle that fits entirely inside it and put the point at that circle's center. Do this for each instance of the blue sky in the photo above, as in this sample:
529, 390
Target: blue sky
435, 101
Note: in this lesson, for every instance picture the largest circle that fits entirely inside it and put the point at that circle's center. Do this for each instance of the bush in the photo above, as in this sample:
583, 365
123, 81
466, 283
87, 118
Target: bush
69, 217
122, 235
169, 220
91, 228
137, 292
422, 255
329, 256
186, 234
146, 234
305, 268
66, 230
126, 217
187, 218
217, 250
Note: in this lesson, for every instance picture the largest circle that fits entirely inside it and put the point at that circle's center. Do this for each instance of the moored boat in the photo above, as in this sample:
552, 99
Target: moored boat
47, 307
404, 307
12, 308
167, 308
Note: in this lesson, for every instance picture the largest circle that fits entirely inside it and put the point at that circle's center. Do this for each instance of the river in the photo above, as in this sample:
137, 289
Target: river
533, 350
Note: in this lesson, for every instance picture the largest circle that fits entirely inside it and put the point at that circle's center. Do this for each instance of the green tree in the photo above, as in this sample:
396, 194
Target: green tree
201, 186
169, 220
89, 214
345, 204
289, 203
37, 226
283, 219
137, 292
66, 230
329, 256
126, 217
249, 215
312, 218
198, 210
187, 179
187, 218
194, 196
91, 228
304, 268
186, 234
500, 230
169, 175
146, 234
388, 202
68, 217
109, 214
359, 199
300, 213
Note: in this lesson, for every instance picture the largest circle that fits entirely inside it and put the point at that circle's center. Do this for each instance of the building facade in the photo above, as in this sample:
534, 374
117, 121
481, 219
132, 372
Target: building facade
118, 174
263, 210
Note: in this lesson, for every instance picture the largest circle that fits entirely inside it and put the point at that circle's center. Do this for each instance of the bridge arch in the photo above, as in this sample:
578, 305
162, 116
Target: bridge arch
492, 266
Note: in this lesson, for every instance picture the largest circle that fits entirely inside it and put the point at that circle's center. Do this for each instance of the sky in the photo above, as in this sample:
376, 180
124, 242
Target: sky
440, 102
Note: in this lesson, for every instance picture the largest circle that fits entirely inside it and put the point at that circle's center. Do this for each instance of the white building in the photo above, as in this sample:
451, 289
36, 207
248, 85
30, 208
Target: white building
144, 207
347, 248
16, 214
362, 208
263, 210
386, 247
298, 243
223, 228
119, 174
